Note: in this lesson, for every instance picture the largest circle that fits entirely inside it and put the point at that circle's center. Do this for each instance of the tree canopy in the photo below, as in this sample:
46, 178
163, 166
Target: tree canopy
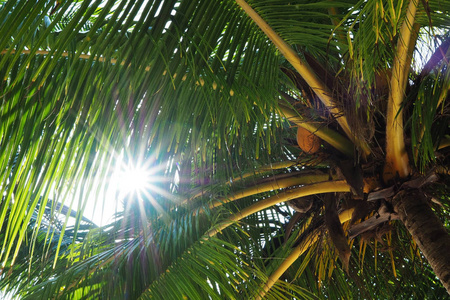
298, 149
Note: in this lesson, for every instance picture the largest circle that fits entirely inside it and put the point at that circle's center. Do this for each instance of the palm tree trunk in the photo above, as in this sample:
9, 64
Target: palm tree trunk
427, 230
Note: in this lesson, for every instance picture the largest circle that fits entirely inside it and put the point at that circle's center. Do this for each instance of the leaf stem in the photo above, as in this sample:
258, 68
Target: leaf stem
307, 190
302, 67
397, 163
345, 216
307, 178
330, 136
66, 54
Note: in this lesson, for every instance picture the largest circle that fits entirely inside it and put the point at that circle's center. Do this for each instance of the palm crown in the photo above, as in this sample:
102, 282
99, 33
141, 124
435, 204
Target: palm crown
278, 129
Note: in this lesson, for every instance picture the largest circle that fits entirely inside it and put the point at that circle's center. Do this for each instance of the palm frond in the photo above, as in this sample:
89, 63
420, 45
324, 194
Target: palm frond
196, 92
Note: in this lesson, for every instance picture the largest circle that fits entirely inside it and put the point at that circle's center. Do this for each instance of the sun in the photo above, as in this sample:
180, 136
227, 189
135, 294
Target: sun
126, 180
129, 181
133, 179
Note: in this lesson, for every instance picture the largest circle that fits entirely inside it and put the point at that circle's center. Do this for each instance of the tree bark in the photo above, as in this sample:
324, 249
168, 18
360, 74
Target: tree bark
427, 231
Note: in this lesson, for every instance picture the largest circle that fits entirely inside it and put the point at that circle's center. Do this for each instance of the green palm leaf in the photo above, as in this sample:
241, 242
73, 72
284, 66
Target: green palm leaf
198, 92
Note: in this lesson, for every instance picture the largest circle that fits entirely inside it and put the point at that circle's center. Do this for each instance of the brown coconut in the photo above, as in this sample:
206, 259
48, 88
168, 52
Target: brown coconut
307, 141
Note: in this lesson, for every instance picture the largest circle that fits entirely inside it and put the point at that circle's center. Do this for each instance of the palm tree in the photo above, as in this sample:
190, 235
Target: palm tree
283, 135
